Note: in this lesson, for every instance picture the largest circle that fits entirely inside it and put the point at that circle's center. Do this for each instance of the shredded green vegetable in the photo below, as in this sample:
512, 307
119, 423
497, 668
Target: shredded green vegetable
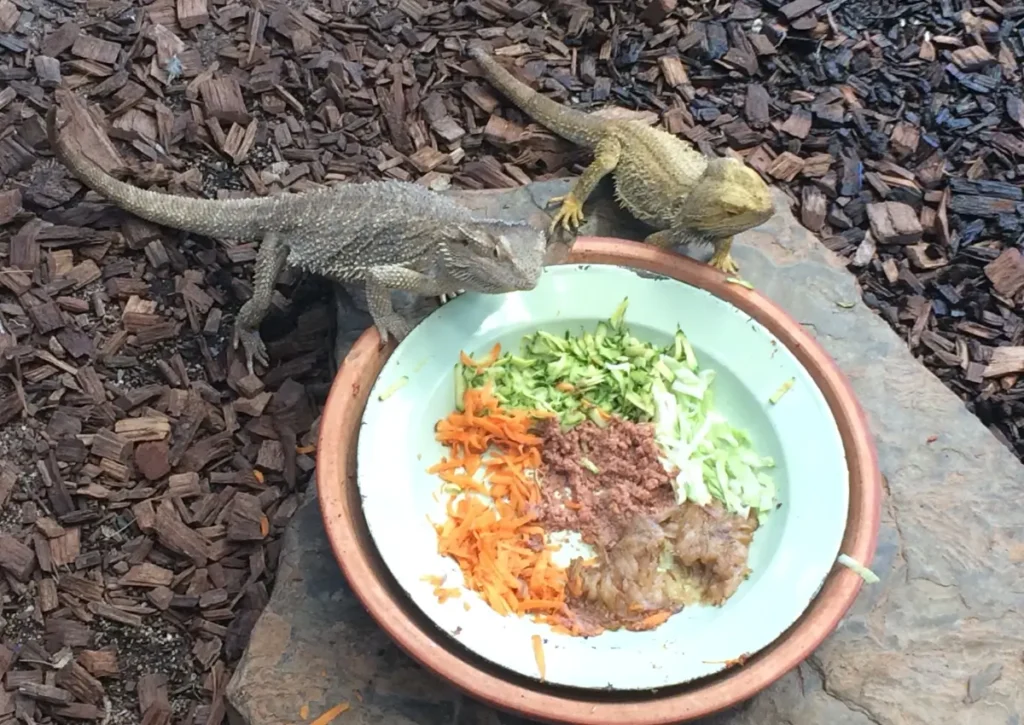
740, 282
394, 388
715, 460
610, 371
862, 571
783, 389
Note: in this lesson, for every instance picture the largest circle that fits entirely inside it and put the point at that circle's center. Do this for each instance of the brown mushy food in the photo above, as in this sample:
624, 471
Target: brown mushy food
711, 545
653, 556
692, 554
629, 478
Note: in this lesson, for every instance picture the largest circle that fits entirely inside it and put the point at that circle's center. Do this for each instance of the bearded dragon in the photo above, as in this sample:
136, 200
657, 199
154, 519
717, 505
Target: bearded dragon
663, 180
388, 235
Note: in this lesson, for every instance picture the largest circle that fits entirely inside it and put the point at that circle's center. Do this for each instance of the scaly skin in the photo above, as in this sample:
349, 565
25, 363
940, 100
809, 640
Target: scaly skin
660, 179
387, 235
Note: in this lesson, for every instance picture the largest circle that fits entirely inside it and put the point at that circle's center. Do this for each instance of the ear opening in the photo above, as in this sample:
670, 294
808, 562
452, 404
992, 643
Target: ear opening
480, 235
465, 234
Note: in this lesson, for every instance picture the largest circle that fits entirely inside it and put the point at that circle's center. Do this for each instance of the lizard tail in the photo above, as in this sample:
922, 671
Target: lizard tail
228, 218
568, 123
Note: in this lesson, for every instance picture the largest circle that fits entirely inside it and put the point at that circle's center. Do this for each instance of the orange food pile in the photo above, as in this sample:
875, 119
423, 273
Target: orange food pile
501, 552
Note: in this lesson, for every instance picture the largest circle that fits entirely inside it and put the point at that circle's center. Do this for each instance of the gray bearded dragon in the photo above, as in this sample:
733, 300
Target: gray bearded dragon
388, 235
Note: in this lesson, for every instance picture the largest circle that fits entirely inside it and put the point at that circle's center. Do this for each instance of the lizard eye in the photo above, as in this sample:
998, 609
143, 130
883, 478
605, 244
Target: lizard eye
496, 252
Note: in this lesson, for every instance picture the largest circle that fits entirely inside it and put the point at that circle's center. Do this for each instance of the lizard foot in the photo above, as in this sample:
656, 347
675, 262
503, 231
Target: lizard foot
569, 215
723, 261
253, 346
394, 326
450, 296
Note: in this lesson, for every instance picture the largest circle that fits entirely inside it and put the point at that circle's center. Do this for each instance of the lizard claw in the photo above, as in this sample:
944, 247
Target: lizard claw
724, 262
449, 296
393, 326
253, 346
569, 215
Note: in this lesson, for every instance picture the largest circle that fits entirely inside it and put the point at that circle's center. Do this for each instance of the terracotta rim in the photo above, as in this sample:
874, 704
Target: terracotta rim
435, 650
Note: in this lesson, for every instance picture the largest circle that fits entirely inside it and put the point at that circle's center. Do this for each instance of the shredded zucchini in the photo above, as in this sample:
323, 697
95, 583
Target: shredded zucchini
859, 569
592, 375
783, 389
394, 388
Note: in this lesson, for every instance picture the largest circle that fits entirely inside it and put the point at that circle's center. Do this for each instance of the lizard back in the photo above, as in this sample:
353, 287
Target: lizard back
656, 171
370, 224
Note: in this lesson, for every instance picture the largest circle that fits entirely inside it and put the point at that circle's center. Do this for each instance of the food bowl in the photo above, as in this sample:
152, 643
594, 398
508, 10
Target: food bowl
435, 647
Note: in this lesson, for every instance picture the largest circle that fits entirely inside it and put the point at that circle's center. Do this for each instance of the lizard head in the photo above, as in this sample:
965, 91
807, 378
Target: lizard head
729, 198
495, 256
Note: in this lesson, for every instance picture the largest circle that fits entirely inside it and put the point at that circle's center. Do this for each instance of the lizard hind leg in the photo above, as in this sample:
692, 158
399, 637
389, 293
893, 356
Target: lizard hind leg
270, 260
606, 158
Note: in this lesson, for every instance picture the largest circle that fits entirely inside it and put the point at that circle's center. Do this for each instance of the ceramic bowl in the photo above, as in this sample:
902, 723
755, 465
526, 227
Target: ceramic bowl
794, 547
390, 605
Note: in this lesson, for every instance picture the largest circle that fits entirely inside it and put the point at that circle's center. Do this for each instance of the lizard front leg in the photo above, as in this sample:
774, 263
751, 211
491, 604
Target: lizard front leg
606, 158
270, 260
722, 260
379, 283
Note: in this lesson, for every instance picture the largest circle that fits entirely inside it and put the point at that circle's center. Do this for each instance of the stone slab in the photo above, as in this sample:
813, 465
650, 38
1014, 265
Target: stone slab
939, 641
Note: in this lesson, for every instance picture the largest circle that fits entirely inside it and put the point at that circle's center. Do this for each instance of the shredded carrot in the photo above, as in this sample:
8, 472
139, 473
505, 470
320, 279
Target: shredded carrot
304, 712
575, 585
738, 661
651, 621
433, 579
305, 449
572, 631
492, 357
443, 595
329, 716
538, 654
496, 542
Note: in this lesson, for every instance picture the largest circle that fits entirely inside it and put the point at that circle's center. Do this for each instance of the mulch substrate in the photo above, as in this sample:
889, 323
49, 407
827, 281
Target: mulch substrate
147, 477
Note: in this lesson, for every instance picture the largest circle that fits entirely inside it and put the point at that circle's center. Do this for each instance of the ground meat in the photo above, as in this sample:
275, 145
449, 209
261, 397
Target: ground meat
631, 480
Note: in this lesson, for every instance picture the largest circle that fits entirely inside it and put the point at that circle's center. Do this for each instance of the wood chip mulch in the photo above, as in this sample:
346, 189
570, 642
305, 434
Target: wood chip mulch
146, 477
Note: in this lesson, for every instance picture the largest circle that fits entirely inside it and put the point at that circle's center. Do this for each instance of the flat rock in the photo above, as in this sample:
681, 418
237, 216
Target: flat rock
938, 641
